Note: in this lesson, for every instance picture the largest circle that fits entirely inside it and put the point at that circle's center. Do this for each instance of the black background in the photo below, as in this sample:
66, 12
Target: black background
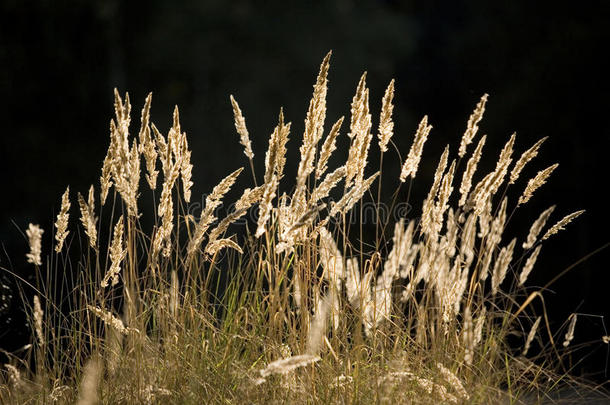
544, 66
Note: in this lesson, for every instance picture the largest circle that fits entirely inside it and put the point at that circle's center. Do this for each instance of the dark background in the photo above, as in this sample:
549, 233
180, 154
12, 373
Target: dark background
542, 64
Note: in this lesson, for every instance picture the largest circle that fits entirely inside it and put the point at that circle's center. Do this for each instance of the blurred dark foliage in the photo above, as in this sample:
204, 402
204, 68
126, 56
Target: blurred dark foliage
543, 65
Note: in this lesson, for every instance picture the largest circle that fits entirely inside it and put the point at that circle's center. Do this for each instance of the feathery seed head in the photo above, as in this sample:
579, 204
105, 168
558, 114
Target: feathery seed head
472, 127
531, 335
524, 159
490, 184
535, 183
529, 265
537, 227
88, 218
428, 206
501, 266
328, 147
386, 125
117, 254
409, 168
471, 168
38, 315
61, 225
109, 319
329, 182
562, 223
207, 217
34, 234
570, 333
242, 131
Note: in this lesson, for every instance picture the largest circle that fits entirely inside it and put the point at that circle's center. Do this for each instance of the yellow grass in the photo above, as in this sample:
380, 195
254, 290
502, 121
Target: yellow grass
183, 311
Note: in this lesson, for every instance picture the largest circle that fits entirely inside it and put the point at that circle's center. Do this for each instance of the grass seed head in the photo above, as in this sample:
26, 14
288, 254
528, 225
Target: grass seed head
535, 183
472, 127
409, 167
562, 223
386, 125
242, 130
61, 225
34, 234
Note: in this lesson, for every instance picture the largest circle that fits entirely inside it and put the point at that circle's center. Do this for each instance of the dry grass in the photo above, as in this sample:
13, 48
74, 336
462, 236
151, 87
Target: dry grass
294, 312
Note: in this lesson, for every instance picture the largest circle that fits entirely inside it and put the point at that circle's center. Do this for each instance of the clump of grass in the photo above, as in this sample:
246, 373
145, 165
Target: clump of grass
295, 311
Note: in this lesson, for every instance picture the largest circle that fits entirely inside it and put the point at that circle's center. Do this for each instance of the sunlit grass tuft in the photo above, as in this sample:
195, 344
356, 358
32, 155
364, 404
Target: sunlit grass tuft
164, 306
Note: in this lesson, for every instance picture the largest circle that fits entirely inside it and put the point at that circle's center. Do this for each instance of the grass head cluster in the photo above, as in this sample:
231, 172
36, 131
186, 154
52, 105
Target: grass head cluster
164, 306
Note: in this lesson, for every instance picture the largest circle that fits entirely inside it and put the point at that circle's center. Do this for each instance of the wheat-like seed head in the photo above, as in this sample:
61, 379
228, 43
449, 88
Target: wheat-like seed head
88, 217
386, 125
117, 254
471, 168
248, 198
561, 224
240, 126
61, 224
570, 333
493, 238
266, 204
529, 265
485, 218
207, 217
122, 110
472, 127
219, 244
171, 171
501, 266
442, 203
354, 195
34, 234
409, 168
147, 145
38, 315
328, 147
314, 127
109, 319
357, 105
106, 177
537, 227
123, 161
428, 206
524, 159
535, 183
222, 228
478, 327
531, 335
468, 238
490, 184
365, 144
275, 158
165, 210
186, 168
329, 182
316, 114
360, 134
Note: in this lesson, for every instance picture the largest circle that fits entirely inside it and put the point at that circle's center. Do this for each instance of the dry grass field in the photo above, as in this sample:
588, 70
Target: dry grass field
165, 306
